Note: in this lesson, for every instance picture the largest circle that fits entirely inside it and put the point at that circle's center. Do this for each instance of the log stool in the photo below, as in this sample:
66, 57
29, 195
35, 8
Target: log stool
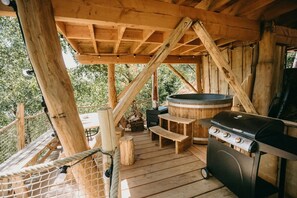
127, 150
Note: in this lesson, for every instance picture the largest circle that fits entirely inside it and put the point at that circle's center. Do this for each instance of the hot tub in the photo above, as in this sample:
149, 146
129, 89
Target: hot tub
198, 106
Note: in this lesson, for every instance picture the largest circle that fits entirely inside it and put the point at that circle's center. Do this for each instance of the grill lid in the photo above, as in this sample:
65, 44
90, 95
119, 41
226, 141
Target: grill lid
250, 126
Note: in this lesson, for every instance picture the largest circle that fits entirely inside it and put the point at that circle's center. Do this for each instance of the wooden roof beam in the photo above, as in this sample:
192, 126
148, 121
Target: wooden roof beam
61, 28
92, 33
279, 8
287, 36
185, 40
219, 5
204, 4
151, 48
153, 14
223, 66
129, 59
137, 45
254, 5
121, 31
153, 64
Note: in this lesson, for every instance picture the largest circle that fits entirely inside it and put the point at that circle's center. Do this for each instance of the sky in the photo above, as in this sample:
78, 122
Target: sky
69, 61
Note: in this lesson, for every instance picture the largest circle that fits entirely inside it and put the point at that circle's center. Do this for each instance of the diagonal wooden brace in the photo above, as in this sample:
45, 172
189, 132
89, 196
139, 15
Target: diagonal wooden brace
223, 66
152, 65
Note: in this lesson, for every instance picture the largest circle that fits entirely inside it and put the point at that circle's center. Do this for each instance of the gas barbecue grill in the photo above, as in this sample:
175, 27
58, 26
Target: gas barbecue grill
236, 142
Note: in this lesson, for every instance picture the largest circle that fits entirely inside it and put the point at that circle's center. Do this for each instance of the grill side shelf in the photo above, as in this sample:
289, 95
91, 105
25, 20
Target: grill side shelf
282, 146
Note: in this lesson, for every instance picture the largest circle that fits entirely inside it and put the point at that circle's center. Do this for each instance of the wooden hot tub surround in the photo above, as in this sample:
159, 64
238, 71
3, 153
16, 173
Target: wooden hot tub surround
198, 106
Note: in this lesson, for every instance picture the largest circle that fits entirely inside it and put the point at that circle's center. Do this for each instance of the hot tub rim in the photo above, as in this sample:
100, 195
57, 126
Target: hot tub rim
223, 99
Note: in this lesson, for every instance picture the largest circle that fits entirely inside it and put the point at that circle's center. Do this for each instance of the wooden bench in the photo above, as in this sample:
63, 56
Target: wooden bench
182, 142
172, 128
31, 153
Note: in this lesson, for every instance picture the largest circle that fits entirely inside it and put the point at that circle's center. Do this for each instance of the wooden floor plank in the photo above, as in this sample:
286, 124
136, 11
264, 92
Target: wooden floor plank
191, 190
157, 167
164, 151
142, 142
221, 192
155, 160
162, 185
198, 153
152, 149
163, 174
147, 145
159, 172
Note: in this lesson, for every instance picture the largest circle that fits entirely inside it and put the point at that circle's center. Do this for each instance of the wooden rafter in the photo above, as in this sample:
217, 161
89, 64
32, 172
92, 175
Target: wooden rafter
61, 28
219, 5
92, 33
111, 59
218, 42
121, 31
253, 6
137, 45
204, 4
279, 8
153, 64
185, 40
223, 66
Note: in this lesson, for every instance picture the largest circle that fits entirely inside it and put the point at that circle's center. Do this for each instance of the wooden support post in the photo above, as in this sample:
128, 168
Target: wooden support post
112, 92
153, 64
191, 87
107, 129
38, 24
262, 96
199, 75
21, 126
223, 66
155, 94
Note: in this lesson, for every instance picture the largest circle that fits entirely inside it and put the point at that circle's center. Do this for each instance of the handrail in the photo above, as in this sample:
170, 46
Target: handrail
8, 126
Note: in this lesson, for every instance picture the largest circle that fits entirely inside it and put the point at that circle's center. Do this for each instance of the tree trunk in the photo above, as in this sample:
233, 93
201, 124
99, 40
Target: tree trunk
38, 24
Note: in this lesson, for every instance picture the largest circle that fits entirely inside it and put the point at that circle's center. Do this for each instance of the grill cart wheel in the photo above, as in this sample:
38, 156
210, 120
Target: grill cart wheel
205, 173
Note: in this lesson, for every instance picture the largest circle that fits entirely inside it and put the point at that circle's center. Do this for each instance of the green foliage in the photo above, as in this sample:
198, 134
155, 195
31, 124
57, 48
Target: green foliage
14, 87
89, 81
290, 59
90, 84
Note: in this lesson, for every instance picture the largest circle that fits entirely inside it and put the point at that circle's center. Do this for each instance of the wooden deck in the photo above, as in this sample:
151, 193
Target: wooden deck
159, 172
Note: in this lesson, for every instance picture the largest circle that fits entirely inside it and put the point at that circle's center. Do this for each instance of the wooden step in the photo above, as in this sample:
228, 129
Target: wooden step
168, 134
177, 119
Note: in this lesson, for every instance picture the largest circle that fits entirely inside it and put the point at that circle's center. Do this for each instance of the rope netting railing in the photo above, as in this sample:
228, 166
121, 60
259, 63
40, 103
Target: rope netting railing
8, 141
80, 175
35, 126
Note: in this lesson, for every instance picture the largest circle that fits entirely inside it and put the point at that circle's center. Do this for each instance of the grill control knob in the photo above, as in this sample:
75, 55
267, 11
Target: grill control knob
226, 135
238, 140
217, 130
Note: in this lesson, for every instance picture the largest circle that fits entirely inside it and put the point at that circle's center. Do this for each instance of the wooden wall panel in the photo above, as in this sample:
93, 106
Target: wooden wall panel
223, 85
240, 59
214, 77
206, 80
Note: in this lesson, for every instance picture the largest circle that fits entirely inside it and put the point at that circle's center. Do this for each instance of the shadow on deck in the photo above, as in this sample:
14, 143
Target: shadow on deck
159, 172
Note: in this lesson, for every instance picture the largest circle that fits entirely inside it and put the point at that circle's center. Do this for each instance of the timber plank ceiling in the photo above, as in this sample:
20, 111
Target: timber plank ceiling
137, 28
